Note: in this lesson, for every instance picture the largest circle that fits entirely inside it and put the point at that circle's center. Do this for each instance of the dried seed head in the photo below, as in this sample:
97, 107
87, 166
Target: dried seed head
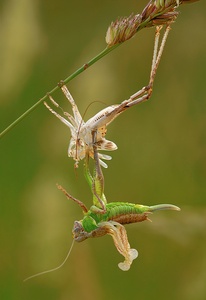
166, 3
164, 19
160, 12
122, 29
156, 12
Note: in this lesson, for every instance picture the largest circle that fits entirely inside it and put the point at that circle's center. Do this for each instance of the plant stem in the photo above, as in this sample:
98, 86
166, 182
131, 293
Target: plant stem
72, 76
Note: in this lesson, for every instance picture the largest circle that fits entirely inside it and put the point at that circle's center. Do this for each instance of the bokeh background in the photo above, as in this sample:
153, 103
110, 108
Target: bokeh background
161, 156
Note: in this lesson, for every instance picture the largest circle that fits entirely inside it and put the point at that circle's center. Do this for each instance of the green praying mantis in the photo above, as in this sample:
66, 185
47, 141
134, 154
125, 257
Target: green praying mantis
87, 138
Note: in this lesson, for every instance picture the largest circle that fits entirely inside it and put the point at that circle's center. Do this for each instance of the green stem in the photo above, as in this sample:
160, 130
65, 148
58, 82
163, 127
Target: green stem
72, 76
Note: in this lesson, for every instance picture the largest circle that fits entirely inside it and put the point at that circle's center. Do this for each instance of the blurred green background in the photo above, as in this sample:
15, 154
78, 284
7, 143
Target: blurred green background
161, 156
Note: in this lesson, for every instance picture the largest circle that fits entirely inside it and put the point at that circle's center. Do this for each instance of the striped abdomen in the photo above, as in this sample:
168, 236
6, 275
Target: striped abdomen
126, 213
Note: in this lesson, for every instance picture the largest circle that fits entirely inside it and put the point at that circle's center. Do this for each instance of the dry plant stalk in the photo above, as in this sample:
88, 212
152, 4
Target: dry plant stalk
158, 12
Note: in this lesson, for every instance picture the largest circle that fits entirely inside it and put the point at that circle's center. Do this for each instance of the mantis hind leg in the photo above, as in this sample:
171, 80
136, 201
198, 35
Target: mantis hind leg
157, 53
145, 93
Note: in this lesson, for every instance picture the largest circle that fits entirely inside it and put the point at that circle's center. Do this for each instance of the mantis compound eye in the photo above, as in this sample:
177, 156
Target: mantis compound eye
78, 232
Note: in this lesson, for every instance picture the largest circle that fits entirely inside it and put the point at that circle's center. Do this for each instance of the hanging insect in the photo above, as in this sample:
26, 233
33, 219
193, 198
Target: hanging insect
111, 222
81, 132
108, 218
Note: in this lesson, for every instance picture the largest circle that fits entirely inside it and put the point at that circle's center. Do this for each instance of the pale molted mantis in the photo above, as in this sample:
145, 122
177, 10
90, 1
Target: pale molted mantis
81, 132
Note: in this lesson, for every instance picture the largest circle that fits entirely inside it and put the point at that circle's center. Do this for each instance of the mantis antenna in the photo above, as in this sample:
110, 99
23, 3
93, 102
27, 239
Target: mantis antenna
54, 269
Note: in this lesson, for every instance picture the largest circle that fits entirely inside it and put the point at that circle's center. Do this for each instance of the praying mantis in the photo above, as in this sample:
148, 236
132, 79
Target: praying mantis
81, 132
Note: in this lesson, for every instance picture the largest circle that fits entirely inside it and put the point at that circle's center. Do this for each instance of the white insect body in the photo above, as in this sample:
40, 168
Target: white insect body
81, 142
81, 132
